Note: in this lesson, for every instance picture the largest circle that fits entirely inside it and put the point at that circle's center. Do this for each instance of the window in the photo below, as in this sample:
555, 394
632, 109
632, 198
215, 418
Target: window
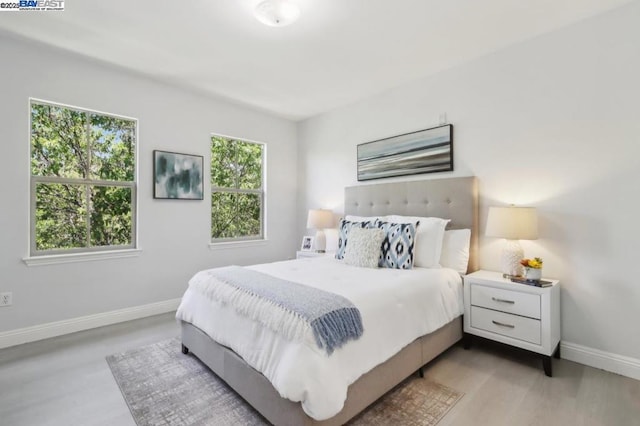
237, 189
83, 180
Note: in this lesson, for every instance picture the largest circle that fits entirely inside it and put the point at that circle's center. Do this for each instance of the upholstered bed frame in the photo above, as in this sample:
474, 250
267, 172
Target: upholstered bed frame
453, 198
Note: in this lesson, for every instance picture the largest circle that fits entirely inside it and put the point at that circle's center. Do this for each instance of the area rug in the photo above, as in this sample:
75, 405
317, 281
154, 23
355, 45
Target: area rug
164, 387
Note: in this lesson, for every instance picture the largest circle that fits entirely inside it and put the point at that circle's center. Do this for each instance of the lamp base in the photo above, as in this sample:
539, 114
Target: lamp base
320, 241
510, 258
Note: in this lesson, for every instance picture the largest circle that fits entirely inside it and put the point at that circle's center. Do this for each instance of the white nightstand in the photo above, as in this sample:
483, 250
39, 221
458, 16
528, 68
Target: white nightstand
302, 254
516, 314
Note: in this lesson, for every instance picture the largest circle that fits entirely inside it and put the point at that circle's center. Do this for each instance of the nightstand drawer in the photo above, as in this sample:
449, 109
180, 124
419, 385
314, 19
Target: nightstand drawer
514, 302
514, 326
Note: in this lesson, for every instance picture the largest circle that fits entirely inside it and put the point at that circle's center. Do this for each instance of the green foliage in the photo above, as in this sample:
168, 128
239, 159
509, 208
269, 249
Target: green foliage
236, 165
61, 216
69, 149
223, 163
58, 142
110, 215
235, 215
112, 148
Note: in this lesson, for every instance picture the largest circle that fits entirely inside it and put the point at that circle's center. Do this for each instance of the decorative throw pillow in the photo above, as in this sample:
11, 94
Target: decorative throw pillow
364, 247
344, 229
398, 245
455, 250
429, 237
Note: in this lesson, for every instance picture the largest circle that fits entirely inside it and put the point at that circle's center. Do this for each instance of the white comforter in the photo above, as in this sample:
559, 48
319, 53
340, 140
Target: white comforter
397, 307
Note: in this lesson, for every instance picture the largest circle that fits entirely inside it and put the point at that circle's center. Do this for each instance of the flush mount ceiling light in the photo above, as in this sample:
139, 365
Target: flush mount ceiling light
277, 13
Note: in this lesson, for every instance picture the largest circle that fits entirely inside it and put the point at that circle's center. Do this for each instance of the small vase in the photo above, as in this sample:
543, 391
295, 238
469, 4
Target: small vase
533, 273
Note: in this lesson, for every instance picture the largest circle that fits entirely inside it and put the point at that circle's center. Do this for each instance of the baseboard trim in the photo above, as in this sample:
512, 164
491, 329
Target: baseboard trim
72, 325
619, 364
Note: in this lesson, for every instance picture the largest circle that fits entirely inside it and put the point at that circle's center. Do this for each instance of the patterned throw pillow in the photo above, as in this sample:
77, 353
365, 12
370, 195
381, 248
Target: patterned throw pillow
343, 234
364, 247
398, 245
429, 237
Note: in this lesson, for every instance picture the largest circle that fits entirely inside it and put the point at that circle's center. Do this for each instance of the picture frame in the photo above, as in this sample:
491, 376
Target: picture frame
307, 243
177, 176
423, 151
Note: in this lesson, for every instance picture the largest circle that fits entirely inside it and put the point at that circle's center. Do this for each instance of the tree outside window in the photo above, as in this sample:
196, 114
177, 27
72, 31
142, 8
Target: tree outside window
83, 180
237, 189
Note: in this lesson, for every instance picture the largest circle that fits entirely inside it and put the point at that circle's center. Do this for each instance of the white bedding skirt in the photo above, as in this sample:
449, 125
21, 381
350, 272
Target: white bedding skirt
397, 307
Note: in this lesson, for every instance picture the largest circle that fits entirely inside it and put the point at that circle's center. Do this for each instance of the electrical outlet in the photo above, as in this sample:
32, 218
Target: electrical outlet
6, 299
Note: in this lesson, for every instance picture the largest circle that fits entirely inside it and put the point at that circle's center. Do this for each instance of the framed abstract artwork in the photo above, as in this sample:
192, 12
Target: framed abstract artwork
177, 176
424, 151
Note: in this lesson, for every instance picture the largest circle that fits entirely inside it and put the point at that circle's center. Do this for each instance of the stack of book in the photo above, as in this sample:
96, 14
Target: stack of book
536, 283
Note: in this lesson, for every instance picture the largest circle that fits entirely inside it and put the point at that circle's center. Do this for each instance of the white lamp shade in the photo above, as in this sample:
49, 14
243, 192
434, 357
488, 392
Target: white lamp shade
512, 223
320, 219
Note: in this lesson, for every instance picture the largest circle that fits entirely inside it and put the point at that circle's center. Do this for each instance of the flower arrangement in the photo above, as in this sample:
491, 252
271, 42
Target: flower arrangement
535, 263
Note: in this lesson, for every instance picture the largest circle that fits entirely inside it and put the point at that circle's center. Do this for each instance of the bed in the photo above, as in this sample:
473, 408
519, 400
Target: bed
455, 199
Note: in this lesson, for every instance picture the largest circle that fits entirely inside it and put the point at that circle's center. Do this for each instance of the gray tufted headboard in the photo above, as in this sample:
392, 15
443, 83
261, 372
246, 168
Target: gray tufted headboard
451, 198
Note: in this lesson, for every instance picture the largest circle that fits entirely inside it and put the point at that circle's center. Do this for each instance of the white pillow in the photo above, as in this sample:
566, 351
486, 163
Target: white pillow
364, 247
428, 247
455, 250
352, 218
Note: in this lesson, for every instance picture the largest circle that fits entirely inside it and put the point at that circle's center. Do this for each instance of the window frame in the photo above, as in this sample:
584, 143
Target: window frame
262, 193
34, 180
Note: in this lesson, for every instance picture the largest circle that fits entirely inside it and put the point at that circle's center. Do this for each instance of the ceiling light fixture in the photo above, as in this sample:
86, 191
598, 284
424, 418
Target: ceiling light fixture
277, 13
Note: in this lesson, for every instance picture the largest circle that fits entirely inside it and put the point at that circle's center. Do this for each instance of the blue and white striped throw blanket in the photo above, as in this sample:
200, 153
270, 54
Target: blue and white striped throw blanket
286, 307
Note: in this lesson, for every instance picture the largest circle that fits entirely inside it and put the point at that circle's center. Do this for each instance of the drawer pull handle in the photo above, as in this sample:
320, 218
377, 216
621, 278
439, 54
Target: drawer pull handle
501, 324
495, 299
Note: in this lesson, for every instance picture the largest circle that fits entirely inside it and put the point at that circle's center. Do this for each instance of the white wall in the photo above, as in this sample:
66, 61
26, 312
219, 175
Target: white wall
173, 235
551, 123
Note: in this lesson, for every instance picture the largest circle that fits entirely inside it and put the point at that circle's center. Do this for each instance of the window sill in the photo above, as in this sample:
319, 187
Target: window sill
55, 259
237, 244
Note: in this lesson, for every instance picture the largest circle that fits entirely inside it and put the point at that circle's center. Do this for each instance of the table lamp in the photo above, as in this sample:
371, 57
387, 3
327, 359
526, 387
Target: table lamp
513, 224
319, 220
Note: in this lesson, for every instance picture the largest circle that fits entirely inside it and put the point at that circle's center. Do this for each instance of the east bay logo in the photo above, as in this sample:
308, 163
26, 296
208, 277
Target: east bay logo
43, 4
38, 5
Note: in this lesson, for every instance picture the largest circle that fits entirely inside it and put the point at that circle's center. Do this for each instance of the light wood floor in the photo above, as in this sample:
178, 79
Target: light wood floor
66, 381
